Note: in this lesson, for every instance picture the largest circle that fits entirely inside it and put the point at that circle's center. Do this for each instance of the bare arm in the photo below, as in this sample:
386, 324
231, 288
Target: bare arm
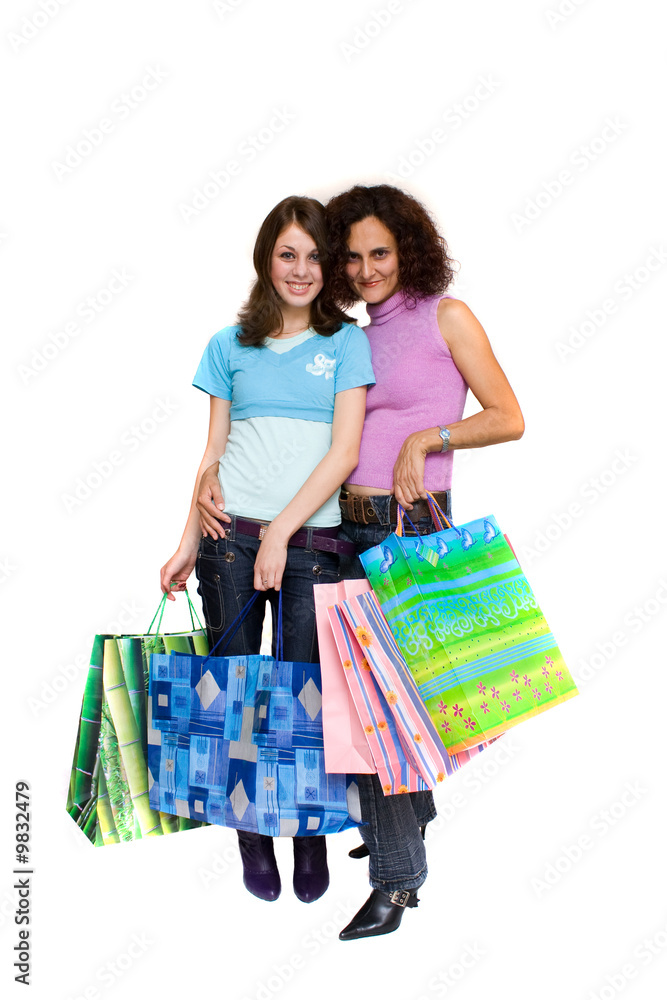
324, 480
181, 564
499, 420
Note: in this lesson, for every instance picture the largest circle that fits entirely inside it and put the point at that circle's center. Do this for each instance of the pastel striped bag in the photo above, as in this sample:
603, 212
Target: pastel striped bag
405, 746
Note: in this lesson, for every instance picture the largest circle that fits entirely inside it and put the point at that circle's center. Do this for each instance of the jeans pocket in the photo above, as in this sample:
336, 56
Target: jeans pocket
326, 567
210, 590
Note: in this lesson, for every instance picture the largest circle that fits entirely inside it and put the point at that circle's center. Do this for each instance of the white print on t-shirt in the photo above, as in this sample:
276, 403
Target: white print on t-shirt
322, 365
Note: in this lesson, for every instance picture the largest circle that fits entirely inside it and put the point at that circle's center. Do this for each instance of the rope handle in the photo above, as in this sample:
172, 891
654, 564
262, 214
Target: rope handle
160, 612
438, 514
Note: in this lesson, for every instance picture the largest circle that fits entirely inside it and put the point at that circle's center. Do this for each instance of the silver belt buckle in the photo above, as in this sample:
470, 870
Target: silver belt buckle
262, 530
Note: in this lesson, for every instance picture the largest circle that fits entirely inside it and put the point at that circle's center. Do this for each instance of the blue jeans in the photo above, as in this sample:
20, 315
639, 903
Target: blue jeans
225, 571
392, 822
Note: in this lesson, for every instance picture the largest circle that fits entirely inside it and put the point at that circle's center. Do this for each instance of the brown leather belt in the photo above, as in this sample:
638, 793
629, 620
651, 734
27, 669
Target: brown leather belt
321, 539
360, 510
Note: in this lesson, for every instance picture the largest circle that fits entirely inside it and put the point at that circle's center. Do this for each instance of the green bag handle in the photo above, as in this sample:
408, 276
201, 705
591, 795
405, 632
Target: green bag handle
160, 612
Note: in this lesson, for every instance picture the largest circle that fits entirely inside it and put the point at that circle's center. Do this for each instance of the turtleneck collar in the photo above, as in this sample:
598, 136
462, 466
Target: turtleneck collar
382, 312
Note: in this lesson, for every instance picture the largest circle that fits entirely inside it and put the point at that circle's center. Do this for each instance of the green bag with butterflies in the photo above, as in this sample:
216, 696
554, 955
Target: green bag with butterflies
467, 622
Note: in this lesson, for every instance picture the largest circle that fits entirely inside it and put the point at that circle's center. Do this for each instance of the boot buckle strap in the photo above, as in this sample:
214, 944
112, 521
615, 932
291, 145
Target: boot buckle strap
400, 897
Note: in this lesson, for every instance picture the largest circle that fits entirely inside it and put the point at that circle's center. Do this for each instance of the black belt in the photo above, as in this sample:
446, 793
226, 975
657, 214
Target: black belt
321, 539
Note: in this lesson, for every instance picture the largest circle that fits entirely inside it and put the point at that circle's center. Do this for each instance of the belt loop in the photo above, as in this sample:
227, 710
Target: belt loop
231, 528
309, 540
360, 502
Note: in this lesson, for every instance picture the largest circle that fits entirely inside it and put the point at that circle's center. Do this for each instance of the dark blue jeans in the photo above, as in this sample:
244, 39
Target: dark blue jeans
225, 571
392, 822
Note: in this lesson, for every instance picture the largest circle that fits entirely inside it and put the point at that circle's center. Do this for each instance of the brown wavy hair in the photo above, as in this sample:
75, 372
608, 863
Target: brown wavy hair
261, 315
424, 265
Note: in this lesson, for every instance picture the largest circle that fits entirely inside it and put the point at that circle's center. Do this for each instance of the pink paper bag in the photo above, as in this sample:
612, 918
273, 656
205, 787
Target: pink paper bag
346, 749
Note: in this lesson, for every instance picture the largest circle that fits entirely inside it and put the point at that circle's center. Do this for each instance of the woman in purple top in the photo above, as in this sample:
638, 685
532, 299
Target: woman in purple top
428, 349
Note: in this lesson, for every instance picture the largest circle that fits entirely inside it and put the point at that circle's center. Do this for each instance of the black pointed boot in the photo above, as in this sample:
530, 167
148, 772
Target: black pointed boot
381, 914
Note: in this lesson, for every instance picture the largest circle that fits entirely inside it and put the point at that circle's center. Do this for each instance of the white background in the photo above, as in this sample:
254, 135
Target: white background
580, 495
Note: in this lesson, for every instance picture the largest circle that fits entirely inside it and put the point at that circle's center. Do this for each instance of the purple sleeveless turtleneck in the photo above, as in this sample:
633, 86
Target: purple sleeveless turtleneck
417, 386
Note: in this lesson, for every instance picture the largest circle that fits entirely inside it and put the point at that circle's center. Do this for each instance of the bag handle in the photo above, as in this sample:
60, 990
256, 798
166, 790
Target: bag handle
233, 628
437, 514
160, 612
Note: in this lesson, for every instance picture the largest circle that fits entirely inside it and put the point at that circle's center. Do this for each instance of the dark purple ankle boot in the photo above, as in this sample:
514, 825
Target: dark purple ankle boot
260, 872
311, 874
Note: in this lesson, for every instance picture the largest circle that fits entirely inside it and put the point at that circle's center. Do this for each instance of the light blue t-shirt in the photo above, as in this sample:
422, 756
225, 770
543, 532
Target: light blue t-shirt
282, 399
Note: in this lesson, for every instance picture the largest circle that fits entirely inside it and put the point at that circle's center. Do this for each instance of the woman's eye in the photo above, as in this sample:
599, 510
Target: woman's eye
381, 253
286, 255
315, 257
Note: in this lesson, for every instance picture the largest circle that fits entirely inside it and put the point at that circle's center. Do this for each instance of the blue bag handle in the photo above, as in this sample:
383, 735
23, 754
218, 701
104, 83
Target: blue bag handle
233, 628
279, 628
437, 513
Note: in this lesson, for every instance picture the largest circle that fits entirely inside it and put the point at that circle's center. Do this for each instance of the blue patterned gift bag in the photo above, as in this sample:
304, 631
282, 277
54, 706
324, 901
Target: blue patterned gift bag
237, 741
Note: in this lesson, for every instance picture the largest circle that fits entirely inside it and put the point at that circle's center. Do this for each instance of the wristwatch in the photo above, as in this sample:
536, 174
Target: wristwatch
444, 434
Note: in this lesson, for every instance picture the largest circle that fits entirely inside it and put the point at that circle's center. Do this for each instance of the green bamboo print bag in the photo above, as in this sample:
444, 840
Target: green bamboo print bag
467, 622
108, 791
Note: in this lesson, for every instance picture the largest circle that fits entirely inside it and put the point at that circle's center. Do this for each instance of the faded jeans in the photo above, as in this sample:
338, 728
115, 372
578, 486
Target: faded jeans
392, 822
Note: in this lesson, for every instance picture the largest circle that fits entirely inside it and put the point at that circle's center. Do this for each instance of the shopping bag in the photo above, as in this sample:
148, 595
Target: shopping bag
346, 749
237, 741
395, 765
108, 790
471, 631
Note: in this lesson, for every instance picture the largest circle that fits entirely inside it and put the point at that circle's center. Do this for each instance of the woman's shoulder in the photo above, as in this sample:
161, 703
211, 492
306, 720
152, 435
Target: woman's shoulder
349, 332
452, 311
227, 333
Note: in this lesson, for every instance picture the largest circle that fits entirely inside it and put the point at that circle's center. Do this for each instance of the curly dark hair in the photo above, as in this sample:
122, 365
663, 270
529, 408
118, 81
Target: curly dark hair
424, 266
261, 315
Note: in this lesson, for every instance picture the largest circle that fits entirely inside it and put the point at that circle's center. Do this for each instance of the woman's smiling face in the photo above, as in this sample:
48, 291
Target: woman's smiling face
372, 263
296, 272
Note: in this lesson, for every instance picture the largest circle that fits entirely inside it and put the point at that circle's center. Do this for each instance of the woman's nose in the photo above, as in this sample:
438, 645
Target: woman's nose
367, 268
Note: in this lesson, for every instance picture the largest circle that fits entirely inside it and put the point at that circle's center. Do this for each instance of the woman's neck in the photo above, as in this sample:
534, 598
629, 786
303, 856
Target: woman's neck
295, 320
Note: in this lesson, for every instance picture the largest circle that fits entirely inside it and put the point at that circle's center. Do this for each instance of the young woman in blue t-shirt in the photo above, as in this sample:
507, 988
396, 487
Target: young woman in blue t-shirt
287, 389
